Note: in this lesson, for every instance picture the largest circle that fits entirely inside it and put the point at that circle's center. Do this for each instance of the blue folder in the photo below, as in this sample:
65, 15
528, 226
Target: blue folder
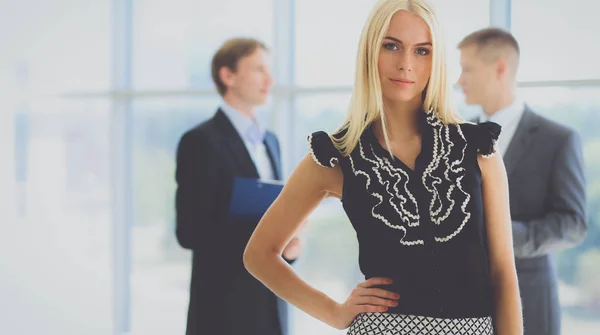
250, 198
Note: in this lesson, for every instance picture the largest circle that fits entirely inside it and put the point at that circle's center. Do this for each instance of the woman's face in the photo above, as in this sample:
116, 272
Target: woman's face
405, 58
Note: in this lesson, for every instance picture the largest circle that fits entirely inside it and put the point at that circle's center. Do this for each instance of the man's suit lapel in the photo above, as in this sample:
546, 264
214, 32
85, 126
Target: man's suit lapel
273, 151
236, 145
521, 141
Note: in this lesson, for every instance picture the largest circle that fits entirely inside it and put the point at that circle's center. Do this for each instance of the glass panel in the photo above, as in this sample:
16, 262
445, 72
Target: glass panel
326, 36
174, 40
58, 274
458, 19
561, 46
55, 249
56, 46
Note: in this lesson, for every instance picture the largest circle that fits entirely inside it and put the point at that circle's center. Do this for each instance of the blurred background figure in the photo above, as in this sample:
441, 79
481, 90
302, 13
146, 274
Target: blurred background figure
95, 95
544, 164
224, 297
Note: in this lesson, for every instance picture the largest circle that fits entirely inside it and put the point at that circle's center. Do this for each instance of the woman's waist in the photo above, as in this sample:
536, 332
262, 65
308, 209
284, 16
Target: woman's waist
425, 279
440, 298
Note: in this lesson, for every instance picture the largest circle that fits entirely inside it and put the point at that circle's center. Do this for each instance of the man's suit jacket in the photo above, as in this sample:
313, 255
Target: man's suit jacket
224, 298
544, 164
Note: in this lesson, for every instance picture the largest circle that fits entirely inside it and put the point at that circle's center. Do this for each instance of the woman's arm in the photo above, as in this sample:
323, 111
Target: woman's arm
508, 318
306, 188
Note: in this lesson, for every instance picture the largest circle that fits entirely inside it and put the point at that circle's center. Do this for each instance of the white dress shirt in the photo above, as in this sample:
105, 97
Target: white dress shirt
508, 118
253, 136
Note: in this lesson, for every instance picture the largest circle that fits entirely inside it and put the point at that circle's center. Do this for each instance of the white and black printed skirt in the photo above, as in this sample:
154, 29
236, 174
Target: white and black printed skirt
399, 324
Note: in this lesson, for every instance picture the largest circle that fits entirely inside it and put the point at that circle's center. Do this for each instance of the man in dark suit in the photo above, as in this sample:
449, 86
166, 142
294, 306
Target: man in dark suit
224, 298
545, 171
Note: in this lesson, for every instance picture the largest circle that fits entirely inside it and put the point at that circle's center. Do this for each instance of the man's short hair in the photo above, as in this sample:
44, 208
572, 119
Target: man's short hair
229, 54
492, 43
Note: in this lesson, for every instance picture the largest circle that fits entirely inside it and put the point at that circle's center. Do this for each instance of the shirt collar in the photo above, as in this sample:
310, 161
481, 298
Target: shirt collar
507, 115
247, 127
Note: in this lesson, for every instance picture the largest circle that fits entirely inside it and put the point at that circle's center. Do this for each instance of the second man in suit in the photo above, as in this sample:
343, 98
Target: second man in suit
224, 298
545, 171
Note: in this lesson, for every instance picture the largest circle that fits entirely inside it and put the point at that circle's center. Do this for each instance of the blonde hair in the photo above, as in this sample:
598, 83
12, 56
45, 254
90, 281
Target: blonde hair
366, 103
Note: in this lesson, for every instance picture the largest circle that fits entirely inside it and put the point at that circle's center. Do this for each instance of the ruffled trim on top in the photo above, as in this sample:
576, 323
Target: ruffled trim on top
487, 134
322, 150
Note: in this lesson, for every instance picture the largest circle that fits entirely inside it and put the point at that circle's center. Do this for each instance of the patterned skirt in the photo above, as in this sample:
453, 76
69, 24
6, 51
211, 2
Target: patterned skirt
399, 324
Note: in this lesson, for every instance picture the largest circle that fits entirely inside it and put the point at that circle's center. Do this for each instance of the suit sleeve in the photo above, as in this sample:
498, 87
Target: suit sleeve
200, 226
196, 175
564, 224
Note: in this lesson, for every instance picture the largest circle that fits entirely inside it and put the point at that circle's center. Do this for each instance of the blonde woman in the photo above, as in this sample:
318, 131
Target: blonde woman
424, 191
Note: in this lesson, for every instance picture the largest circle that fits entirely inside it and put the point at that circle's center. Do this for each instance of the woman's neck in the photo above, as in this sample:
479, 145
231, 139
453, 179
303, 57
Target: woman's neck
401, 120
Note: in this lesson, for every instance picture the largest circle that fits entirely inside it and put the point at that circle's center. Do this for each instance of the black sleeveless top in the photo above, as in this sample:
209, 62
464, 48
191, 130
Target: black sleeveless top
425, 227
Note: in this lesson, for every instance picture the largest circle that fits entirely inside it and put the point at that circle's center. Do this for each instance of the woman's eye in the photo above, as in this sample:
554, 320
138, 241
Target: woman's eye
390, 46
423, 51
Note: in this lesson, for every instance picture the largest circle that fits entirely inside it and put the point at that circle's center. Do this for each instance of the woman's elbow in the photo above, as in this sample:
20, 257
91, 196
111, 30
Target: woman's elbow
251, 257
258, 257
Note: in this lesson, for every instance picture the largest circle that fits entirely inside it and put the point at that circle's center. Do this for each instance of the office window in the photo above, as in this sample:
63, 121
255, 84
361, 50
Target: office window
46, 51
58, 271
174, 41
56, 274
326, 36
458, 19
557, 40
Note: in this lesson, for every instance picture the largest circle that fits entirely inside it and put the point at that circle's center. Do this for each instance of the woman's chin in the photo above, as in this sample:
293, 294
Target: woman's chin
402, 97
